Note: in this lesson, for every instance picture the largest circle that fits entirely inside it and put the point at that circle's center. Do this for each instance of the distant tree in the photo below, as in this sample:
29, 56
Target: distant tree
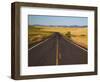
68, 34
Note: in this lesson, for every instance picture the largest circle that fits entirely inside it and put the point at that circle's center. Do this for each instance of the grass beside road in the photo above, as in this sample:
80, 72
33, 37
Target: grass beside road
79, 36
81, 40
36, 35
39, 33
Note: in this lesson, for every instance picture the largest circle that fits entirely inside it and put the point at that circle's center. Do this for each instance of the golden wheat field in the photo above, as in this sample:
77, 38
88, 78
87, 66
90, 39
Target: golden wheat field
78, 35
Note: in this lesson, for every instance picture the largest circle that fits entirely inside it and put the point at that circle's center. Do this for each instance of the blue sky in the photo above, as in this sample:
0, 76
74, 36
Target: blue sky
56, 20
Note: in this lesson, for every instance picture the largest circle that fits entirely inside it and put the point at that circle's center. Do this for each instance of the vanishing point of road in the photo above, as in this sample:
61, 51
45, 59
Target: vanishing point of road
56, 50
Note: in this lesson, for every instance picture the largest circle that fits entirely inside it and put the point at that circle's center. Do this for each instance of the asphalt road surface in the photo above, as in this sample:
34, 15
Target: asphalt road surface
56, 50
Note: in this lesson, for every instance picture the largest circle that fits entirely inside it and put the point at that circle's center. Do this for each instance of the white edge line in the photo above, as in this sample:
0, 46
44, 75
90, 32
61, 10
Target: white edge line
76, 45
38, 44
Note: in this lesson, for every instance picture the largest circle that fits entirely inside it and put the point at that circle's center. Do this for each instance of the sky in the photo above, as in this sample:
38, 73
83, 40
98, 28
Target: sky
57, 20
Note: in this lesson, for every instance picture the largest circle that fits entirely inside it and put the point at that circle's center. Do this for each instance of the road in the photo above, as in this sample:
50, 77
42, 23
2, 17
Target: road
56, 50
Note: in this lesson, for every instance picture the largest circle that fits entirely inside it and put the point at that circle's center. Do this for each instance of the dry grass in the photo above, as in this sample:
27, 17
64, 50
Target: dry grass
74, 31
81, 40
78, 35
36, 35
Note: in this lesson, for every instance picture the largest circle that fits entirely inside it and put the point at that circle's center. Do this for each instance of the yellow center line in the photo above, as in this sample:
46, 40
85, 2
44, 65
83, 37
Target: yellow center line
57, 53
59, 56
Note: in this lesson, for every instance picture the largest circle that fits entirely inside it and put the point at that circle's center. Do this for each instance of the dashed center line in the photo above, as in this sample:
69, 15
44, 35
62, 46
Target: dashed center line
57, 53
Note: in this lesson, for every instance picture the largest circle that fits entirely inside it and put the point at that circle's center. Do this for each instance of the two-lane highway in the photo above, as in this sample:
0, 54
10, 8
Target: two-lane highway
56, 50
